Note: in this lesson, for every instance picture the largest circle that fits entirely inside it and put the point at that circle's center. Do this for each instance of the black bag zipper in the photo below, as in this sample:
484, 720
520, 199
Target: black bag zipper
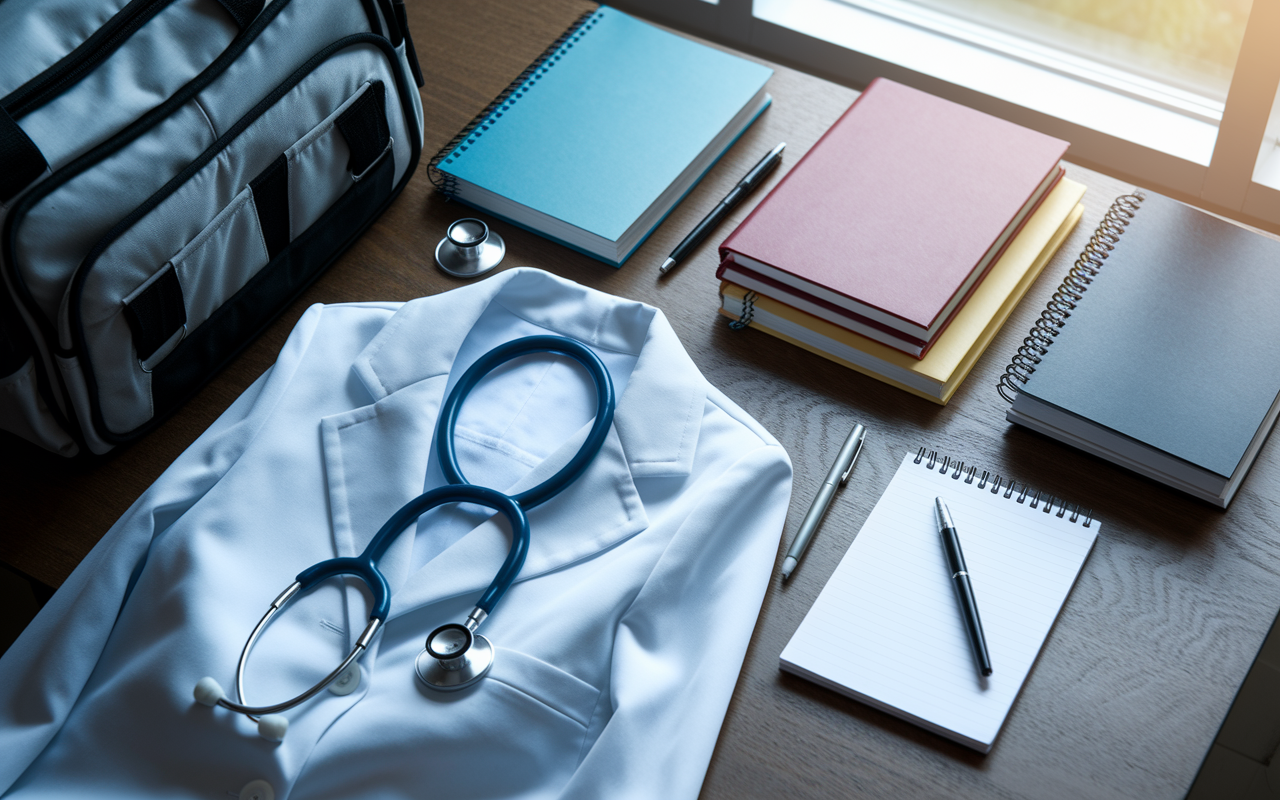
104, 150
21, 294
84, 59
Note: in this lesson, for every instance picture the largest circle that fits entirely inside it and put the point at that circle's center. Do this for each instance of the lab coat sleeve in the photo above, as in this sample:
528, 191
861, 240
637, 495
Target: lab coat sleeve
44, 671
680, 646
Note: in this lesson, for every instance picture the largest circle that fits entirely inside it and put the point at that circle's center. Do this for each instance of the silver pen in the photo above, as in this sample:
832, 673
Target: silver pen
839, 474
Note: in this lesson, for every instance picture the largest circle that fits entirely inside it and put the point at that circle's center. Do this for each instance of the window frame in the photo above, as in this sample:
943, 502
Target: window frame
1117, 126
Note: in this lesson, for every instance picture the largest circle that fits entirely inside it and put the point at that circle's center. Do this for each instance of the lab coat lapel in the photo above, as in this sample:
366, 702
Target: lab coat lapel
377, 456
375, 459
654, 433
598, 510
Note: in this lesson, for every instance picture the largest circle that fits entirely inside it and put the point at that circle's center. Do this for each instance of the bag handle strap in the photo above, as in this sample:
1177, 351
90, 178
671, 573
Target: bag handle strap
21, 162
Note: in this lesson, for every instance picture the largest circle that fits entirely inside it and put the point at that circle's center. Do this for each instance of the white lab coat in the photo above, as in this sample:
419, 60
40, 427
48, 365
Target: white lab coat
617, 649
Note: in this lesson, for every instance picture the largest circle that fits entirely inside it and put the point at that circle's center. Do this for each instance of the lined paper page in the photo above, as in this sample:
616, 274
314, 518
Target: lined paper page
887, 629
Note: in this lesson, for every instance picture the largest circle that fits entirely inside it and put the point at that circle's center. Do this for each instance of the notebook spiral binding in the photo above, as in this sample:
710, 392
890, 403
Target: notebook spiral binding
1068, 294
507, 98
748, 311
957, 469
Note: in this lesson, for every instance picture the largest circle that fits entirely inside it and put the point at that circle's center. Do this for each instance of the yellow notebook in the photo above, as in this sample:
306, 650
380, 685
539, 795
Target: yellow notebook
936, 376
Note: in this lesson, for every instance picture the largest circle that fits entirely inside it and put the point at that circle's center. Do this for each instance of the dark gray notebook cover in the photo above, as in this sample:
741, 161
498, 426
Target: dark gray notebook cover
1177, 341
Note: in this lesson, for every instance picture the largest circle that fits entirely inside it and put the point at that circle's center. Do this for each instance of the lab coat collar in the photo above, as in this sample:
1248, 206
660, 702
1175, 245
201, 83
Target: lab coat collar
376, 456
659, 414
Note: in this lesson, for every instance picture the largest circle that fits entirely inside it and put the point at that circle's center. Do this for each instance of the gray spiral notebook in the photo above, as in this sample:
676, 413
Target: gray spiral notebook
886, 629
1160, 351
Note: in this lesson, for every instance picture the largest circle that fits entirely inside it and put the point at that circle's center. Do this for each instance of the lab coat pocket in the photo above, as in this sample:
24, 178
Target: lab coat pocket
519, 732
542, 683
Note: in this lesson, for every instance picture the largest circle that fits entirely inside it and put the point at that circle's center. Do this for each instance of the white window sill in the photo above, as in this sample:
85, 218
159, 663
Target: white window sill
1108, 126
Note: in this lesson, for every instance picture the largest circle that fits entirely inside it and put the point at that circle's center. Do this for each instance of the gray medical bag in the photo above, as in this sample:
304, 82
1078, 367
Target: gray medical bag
172, 174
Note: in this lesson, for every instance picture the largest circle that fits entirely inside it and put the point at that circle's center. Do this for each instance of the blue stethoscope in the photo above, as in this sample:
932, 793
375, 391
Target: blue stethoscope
455, 655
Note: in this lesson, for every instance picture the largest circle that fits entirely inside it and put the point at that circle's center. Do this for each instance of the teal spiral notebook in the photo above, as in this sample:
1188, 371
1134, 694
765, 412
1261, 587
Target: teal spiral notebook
603, 134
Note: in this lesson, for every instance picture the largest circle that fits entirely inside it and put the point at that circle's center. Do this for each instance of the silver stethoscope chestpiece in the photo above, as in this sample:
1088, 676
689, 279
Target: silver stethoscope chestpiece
469, 249
454, 658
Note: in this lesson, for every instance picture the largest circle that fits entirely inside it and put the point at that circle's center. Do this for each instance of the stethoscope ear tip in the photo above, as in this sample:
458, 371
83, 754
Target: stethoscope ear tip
273, 727
208, 692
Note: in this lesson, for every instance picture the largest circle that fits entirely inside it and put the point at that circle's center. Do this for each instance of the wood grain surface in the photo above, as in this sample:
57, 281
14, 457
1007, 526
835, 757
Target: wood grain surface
1147, 655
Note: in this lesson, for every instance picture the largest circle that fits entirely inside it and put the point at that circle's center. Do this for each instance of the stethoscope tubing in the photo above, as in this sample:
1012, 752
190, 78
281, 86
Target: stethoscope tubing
459, 490
501, 354
261, 711
364, 566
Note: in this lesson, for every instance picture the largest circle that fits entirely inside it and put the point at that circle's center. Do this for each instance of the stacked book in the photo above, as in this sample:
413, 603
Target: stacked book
903, 239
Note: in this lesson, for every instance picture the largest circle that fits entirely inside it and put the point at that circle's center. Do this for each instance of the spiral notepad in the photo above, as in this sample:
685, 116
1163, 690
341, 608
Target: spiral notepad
1160, 351
886, 629
599, 138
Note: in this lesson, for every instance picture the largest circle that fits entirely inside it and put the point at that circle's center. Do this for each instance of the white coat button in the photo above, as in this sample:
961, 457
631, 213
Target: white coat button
347, 682
257, 790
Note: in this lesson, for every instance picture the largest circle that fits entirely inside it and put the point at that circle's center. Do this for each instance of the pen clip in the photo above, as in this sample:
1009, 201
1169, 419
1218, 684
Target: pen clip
845, 477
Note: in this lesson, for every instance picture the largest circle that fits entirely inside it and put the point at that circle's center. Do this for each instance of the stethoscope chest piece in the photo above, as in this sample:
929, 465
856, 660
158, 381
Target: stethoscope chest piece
469, 249
454, 658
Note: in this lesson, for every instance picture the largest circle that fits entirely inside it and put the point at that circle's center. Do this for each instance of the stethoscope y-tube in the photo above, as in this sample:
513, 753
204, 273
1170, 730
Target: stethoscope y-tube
455, 656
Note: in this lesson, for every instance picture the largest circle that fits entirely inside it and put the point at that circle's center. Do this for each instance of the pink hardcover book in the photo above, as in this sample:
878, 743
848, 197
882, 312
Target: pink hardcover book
897, 212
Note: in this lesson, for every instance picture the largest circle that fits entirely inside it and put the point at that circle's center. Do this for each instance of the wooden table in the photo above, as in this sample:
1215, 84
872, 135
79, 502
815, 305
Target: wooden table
1136, 677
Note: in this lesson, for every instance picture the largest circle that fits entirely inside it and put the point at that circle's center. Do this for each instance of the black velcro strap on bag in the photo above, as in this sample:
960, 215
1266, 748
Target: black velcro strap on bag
364, 126
21, 162
242, 11
271, 198
156, 314
410, 51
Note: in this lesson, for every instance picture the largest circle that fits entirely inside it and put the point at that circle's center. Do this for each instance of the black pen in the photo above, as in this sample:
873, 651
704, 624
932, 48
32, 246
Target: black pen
964, 589
754, 178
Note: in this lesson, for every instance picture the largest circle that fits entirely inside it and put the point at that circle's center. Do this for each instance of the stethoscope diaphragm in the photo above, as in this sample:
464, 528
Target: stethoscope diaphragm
454, 658
469, 249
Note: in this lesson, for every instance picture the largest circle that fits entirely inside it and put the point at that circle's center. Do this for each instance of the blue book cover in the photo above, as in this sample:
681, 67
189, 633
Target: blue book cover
616, 117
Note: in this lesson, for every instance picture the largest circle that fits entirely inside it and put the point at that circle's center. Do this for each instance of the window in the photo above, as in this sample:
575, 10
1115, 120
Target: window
1178, 96
1186, 46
